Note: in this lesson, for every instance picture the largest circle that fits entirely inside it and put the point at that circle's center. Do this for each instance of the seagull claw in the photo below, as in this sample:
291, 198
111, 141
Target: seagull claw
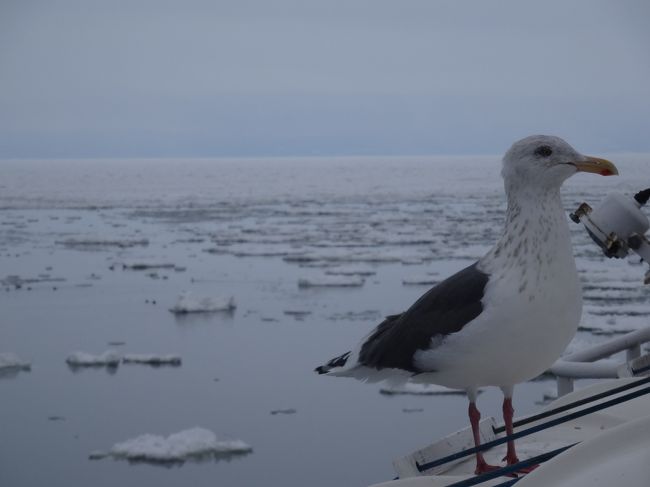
514, 460
484, 467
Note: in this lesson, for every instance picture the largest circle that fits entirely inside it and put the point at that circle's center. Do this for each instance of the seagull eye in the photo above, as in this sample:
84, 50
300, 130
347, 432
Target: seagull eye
544, 151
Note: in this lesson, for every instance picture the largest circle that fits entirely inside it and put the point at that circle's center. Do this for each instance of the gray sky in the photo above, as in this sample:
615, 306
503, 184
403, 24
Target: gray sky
160, 78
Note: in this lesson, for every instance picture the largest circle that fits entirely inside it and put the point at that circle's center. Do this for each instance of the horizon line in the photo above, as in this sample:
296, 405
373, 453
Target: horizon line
275, 157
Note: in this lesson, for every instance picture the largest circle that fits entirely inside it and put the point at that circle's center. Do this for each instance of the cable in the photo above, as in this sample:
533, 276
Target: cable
511, 469
531, 430
571, 405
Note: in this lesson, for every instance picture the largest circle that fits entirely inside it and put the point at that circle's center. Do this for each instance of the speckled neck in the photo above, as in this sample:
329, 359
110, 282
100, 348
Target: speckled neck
536, 232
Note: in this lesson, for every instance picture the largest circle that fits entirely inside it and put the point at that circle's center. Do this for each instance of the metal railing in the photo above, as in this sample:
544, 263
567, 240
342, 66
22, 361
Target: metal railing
588, 363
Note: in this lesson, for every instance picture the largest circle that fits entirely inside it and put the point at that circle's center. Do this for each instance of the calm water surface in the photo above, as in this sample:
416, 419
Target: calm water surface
250, 229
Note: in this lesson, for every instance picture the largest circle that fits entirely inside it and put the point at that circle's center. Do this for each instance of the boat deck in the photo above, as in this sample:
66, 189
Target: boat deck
600, 437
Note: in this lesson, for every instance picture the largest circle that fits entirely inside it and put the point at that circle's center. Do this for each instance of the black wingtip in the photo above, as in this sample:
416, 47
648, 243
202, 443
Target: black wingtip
335, 362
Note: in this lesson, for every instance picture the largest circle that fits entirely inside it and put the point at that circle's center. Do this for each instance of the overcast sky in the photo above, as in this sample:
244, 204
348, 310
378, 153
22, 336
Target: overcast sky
156, 78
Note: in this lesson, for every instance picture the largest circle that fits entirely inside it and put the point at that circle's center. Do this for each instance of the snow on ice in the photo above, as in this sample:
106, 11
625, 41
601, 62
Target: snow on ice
350, 270
178, 447
109, 358
331, 281
9, 360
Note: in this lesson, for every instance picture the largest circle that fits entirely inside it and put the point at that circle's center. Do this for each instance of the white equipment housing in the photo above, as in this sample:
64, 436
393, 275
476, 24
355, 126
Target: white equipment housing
618, 226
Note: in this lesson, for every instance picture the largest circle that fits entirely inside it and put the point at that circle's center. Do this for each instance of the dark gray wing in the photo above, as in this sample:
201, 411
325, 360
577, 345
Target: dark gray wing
444, 309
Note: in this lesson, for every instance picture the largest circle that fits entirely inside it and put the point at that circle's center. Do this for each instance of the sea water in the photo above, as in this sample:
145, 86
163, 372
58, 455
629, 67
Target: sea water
95, 253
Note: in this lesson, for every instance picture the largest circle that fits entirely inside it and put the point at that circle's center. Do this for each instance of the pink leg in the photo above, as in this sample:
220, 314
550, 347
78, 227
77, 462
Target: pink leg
474, 417
511, 456
508, 412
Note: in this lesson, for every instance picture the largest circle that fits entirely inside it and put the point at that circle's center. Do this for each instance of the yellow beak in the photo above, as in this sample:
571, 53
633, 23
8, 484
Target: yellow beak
597, 165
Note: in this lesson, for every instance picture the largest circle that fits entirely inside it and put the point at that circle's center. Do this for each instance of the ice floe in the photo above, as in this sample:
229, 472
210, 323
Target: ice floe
94, 243
9, 360
283, 411
365, 315
345, 255
418, 390
187, 303
331, 281
194, 443
351, 271
144, 265
420, 280
297, 313
152, 359
18, 281
255, 250
109, 358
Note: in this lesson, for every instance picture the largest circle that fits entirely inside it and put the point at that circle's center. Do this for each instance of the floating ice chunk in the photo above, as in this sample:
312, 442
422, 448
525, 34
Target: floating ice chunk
264, 250
358, 255
190, 443
109, 358
418, 389
331, 281
97, 455
9, 360
151, 359
143, 266
91, 243
351, 271
18, 281
283, 411
472, 252
298, 314
425, 279
366, 315
187, 303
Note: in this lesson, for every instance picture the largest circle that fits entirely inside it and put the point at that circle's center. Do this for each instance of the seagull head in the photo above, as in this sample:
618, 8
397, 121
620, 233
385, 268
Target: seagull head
545, 162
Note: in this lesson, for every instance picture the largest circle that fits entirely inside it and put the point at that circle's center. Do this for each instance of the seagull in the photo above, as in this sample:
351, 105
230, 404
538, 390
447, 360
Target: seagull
507, 317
